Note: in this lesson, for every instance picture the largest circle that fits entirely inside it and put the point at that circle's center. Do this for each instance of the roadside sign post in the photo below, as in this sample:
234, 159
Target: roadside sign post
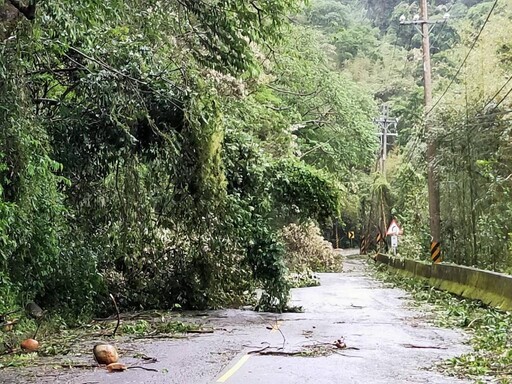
394, 230
351, 236
394, 243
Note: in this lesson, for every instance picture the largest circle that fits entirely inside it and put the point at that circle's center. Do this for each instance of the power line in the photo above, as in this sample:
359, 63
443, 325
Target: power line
503, 99
436, 45
444, 138
470, 127
408, 47
417, 139
497, 93
396, 41
412, 149
493, 114
443, 25
465, 59
481, 113
394, 51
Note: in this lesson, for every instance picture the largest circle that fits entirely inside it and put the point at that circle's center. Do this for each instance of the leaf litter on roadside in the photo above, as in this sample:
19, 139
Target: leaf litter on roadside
63, 348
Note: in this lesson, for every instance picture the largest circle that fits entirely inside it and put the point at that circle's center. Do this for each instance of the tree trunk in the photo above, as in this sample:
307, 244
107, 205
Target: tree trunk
9, 17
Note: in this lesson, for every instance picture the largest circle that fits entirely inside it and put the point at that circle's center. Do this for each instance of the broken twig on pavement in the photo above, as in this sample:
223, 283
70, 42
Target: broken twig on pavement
118, 315
423, 346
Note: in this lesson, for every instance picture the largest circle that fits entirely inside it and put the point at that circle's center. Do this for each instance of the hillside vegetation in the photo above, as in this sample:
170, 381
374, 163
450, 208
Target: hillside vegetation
155, 151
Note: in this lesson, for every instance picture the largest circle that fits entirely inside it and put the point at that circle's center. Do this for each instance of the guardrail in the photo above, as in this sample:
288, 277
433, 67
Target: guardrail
492, 288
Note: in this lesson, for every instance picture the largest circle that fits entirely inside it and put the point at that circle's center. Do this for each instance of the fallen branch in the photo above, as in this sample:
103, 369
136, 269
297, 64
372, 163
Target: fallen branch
144, 368
476, 318
161, 336
199, 331
3, 316
284, 338
76, 365
258, 350
422, 346
343, 354
276, 327
37, 329
280, 353
84, 366
149, 360
8, 323
118, 315
142, 315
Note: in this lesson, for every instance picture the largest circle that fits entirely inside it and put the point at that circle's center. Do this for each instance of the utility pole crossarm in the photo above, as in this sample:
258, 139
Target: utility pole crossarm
385, 123
415, 22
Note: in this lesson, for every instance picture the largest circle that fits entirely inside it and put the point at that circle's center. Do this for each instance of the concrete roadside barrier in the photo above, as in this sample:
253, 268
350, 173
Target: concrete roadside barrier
492, 288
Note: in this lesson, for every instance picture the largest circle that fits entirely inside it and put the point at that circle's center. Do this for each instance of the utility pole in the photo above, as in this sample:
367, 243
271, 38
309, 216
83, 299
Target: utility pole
434, 207
386, 125
433, 182
387, 128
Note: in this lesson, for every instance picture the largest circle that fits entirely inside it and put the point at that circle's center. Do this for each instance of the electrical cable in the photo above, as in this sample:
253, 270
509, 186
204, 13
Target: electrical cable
434, 44
480, 114
496, 94
442, 25
503, 99
407, 49
412, 148
465, 59
471, 126
394, 51
396, 42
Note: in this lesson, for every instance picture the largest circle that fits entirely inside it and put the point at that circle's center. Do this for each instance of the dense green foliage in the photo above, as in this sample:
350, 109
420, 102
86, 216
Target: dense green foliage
156, 152
472, 163
470, 122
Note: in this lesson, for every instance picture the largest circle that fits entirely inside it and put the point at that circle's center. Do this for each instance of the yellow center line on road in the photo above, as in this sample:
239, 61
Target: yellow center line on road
225, 377
233, 369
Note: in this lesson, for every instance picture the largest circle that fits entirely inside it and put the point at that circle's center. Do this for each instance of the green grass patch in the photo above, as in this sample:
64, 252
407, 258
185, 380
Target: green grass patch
59, 339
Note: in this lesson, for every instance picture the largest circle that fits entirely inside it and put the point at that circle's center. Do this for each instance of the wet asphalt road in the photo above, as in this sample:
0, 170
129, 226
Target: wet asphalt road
367, 316
373, 319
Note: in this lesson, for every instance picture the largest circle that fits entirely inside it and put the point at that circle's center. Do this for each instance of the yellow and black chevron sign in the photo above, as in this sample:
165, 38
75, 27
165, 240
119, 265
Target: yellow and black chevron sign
350, 235
435, 252
364, 245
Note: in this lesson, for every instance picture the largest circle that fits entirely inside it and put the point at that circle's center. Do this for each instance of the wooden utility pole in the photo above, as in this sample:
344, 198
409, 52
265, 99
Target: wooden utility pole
387, 128
433, 182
